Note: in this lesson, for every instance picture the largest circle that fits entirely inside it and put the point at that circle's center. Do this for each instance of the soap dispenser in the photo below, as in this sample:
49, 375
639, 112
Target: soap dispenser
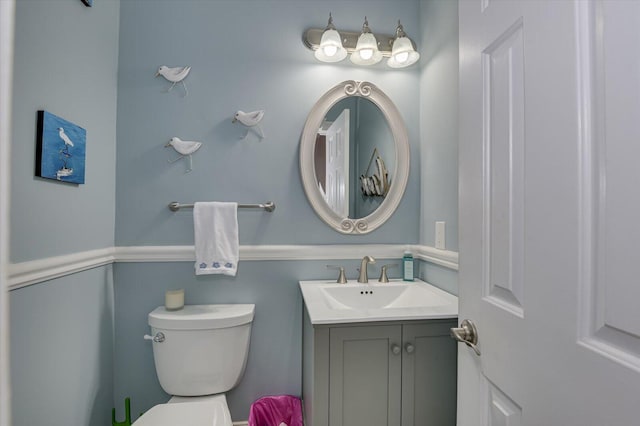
407, 266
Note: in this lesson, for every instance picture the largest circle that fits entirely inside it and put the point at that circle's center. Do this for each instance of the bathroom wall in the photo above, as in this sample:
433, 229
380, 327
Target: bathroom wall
62, 351
374, 133
439, 120
62, 330
439, 133
66, 58
244, 55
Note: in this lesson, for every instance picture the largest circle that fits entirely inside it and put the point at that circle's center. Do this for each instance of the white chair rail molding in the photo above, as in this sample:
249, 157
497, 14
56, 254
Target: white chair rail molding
365, 47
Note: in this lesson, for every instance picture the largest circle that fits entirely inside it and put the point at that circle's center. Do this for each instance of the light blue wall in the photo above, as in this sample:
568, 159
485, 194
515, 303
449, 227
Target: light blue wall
62, 351
439, 120
244, 55
439, 133
374, 133
265, 67
274, 364
66, 58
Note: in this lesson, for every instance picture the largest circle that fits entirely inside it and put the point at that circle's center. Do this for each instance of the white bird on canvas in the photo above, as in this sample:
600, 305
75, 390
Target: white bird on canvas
250, 119
185, 148
65, 139
175, 75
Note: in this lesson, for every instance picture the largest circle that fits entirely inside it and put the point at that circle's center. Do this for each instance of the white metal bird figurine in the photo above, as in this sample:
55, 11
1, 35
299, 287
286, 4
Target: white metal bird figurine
250, 119
175, 75
185, 148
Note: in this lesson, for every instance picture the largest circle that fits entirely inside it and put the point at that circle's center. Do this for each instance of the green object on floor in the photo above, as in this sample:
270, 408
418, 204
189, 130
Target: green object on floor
127, 411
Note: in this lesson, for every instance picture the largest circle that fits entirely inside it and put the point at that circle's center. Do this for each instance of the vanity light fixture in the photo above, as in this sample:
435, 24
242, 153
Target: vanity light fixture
330, 48
402, 53
366, 52
365, 47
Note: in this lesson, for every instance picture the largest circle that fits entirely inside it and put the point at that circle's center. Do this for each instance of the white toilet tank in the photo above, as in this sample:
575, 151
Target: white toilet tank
205, 347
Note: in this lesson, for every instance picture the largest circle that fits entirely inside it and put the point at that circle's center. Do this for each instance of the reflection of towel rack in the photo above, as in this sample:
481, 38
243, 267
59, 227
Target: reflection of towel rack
269, 206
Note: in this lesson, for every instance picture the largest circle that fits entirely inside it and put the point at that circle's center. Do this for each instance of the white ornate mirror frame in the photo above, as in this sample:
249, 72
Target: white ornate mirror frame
400, 176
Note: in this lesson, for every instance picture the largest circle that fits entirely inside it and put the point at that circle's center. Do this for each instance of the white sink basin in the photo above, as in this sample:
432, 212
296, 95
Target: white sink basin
330, 303
378, 296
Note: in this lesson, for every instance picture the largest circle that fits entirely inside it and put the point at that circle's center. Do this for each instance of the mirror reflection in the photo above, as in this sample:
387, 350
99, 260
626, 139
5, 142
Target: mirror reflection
372, 172
354, 150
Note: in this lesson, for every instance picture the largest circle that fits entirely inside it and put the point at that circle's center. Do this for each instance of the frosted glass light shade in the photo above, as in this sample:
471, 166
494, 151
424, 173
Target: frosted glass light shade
366, 52
331, 49
402, 53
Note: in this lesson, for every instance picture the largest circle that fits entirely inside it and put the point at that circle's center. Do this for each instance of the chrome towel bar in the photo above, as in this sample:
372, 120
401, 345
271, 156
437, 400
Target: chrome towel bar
269, 206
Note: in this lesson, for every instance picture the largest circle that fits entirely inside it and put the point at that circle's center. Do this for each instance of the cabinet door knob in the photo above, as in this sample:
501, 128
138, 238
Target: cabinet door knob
395, 349
409, 348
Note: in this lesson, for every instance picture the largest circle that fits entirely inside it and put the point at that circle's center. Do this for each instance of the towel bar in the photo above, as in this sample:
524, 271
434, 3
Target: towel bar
269, 206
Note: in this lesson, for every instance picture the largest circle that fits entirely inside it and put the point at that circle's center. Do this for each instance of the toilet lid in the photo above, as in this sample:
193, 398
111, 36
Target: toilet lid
209, 413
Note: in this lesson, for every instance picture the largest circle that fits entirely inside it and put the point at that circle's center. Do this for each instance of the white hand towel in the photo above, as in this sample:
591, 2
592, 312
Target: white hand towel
215, 228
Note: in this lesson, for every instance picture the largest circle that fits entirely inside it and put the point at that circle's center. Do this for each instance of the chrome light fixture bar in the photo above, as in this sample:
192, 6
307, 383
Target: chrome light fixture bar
313, 40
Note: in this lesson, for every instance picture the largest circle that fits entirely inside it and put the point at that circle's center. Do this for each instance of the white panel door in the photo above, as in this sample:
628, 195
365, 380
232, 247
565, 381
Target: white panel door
337, 165
550, 212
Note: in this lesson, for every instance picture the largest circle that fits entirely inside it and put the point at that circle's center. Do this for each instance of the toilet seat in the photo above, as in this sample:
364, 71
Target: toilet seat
195, 411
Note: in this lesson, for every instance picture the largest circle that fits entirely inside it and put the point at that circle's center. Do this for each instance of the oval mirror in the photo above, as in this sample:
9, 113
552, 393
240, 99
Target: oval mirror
354, 157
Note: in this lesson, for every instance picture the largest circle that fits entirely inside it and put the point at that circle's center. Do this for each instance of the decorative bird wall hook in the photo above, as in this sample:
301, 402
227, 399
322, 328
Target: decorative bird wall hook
251, 119
185, 148
175, 75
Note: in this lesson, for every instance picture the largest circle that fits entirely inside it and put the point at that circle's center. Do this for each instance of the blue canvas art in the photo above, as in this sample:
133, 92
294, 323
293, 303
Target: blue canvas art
61, 149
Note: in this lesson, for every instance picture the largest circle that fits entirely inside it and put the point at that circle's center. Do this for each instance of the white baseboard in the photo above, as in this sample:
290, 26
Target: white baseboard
35, 271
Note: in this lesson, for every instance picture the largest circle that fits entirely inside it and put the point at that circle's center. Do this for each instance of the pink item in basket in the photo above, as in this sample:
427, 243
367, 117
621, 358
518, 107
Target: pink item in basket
276, 410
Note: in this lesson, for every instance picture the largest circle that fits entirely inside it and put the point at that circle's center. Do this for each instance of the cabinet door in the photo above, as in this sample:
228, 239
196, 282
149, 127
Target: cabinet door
365, 375
429, 375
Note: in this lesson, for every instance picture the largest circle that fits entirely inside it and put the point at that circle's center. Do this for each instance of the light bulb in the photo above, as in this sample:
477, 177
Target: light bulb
402, 57
330, 50
403, 53
366, 54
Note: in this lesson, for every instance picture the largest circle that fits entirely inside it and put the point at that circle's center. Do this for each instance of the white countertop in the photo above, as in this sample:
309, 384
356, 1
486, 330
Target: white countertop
330, 303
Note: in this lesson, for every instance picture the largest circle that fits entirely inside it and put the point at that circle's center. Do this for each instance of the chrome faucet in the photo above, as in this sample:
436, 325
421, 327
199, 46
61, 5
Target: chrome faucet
363, 277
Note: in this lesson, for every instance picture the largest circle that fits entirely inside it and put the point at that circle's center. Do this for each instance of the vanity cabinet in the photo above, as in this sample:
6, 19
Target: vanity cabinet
380, 374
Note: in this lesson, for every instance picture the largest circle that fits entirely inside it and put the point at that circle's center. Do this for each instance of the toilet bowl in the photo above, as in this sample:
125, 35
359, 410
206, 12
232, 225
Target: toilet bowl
200, 352
192, 411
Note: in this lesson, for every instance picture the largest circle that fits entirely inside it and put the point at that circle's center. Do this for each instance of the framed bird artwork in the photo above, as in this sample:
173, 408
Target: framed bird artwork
60, 150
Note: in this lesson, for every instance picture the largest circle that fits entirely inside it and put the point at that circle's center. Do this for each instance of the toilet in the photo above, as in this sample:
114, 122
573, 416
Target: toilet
200, 352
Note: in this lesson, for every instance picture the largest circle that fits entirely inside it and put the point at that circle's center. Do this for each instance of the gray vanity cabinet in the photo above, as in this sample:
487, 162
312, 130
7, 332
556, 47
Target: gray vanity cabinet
365, 376
429, 374
380, 374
